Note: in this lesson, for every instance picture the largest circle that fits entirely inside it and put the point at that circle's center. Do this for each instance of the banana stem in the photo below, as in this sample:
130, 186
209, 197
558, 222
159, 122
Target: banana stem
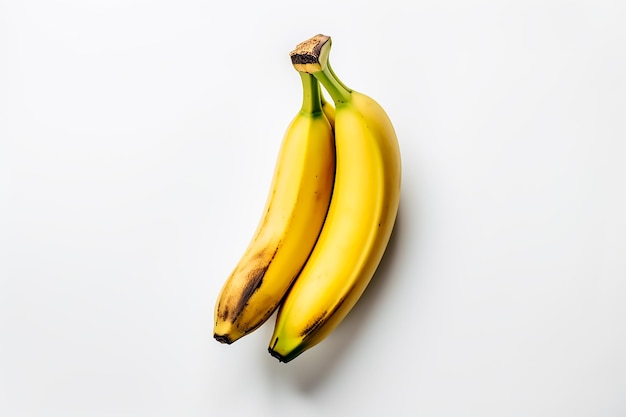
338, 91
311, 57
312, 96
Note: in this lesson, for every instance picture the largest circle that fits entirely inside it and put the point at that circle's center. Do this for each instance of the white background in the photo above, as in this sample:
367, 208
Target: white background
137, 142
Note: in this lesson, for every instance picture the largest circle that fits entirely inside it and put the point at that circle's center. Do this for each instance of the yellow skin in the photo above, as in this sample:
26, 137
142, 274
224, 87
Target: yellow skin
329, 112
358, 225
294, 213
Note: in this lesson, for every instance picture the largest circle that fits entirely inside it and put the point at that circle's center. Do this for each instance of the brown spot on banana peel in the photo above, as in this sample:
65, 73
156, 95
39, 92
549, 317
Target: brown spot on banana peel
313, 325
321, 319
253, 283
255, 279
223, 312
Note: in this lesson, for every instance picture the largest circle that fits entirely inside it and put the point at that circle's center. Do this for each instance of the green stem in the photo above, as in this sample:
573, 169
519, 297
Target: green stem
312, 97
338, 91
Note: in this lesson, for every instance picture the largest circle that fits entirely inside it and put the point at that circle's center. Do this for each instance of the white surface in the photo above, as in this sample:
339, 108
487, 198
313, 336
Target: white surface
137, 141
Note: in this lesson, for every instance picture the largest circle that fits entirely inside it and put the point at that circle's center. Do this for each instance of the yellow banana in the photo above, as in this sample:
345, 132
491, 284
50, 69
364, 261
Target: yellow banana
294, 213
360, 218
329, 111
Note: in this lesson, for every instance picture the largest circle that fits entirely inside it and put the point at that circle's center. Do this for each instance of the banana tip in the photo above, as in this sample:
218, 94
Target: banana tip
278, 356
222, 338
287, 355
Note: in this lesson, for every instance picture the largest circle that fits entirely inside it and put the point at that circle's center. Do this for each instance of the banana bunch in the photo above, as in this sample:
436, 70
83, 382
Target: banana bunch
328, 218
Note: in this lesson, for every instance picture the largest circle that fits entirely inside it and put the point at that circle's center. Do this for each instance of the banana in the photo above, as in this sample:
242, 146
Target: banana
329, 112
360, 218
293, 216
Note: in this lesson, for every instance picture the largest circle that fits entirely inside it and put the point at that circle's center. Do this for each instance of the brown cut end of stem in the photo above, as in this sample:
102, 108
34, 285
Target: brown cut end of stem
309, 51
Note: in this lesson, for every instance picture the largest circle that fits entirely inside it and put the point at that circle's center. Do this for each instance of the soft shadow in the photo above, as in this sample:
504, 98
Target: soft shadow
316, 365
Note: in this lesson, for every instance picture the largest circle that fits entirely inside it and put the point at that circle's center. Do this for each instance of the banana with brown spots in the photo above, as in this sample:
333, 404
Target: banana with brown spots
360, 218
295, 211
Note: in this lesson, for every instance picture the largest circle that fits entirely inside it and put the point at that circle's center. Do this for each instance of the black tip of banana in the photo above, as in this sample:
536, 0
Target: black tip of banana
223, 339
278, 356
288, 356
